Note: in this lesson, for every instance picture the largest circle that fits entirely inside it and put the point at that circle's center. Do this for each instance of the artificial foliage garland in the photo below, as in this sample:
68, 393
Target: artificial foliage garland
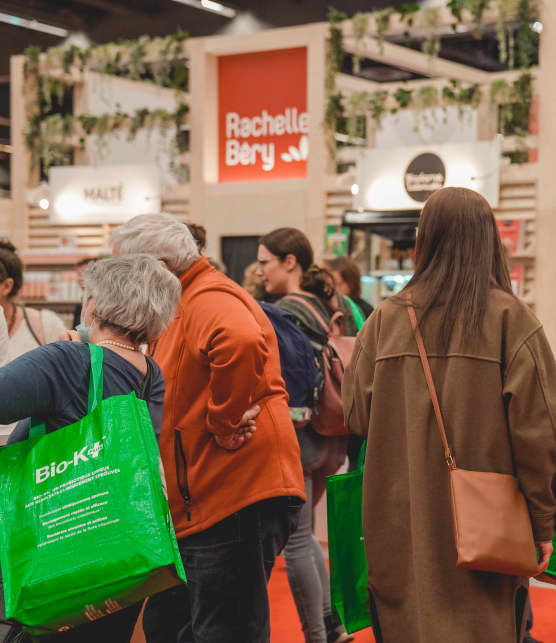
49, 135
516, 39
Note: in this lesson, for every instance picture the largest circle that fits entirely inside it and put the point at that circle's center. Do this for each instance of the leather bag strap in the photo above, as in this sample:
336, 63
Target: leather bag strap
430, 382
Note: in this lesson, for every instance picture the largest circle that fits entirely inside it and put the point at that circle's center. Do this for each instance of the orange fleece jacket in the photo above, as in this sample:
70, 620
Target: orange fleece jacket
219, 358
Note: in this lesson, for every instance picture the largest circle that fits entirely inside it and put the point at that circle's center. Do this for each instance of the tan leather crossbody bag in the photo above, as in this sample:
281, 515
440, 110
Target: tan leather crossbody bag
492, 526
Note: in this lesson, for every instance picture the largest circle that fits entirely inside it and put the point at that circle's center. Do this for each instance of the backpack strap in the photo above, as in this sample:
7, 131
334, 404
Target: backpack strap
312, 309
35, 326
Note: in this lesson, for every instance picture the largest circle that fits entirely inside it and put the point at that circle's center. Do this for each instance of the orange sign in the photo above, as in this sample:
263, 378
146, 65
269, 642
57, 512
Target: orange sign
263, 122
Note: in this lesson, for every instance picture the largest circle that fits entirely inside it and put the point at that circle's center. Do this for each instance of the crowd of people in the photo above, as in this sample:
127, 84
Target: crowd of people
245, 469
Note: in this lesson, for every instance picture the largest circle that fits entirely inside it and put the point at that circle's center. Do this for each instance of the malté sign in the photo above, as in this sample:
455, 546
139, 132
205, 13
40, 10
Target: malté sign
263, 122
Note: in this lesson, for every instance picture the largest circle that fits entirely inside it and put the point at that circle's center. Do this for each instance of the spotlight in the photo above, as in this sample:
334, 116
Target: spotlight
210, 5
355, 189
44, 204
537, 26
35, 25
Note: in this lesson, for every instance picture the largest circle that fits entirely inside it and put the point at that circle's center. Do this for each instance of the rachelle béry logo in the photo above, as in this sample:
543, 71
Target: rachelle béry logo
265, 125
297, 153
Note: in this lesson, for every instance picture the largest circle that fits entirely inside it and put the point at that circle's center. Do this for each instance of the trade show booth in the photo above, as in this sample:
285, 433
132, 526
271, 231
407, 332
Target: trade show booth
283, 127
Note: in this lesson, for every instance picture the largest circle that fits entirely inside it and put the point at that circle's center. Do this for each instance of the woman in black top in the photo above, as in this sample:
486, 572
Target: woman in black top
128, 302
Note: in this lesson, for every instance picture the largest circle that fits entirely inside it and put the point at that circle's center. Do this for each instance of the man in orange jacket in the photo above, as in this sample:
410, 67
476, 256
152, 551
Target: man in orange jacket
234, 494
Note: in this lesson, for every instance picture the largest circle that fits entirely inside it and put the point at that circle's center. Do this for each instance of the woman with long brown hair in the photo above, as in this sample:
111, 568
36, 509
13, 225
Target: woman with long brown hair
495, 376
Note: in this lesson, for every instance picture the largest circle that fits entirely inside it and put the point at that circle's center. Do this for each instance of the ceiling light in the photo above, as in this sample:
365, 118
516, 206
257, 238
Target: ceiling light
44, 204
355, 189
537, 26
210, 5
35, 25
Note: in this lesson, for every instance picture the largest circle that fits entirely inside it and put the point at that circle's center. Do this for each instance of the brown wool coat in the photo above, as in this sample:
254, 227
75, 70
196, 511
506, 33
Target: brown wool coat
498, 398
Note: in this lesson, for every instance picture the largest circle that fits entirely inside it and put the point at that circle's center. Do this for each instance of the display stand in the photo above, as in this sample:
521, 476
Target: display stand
321, 198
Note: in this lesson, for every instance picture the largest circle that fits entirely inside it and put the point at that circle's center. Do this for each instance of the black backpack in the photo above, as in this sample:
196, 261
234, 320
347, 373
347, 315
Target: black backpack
298, 358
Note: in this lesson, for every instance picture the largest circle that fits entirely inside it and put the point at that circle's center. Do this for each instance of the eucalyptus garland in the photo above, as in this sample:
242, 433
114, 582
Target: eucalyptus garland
50, 134
517, 44
50, 139
126, 59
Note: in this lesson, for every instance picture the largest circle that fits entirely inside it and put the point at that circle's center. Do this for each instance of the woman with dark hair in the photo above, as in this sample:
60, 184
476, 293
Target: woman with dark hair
347, 278
496, 379
285, 267
28, 328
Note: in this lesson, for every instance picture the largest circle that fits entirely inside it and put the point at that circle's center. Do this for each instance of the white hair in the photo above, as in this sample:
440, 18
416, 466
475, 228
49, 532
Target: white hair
133, 295
160, 235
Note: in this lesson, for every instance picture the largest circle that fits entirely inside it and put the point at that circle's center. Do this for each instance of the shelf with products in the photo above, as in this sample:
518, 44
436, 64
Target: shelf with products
50, 279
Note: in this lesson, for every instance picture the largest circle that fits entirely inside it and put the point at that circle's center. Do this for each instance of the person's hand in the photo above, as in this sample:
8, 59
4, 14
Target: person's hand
69, 336
545, 551
92, 613
112, 606
243, 435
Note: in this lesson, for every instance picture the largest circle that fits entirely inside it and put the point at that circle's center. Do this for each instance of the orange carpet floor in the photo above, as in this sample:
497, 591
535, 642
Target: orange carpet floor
287, 629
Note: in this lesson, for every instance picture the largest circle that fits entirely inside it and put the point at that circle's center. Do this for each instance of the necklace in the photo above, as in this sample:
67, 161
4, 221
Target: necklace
120, 345
12, 319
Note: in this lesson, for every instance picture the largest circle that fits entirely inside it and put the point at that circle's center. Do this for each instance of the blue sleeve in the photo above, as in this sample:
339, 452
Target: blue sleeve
43, 381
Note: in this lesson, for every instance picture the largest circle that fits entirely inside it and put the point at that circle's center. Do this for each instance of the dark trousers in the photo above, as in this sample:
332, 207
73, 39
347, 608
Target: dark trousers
228, 567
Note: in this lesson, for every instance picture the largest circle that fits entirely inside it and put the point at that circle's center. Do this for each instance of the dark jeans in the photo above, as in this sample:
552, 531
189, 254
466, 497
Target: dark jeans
228, 567
113, 628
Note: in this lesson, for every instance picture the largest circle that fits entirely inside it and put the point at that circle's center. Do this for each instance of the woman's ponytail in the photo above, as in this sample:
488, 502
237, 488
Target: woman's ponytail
318, 282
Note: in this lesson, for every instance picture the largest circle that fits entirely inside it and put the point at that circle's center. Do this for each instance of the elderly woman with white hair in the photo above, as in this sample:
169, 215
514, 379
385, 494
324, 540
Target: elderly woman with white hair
128, 302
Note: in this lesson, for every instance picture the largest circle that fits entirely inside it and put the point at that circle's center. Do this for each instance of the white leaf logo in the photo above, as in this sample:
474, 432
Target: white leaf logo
300, 153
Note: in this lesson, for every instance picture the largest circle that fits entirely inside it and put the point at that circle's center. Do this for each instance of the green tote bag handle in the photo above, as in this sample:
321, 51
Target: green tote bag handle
38, 428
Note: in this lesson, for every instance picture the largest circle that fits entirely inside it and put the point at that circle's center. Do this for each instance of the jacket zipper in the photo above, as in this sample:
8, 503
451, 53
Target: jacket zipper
183, 485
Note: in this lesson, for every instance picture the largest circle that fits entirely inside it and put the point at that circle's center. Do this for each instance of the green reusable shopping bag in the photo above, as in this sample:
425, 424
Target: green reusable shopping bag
549, 576
84, 521
357, 314
346, 547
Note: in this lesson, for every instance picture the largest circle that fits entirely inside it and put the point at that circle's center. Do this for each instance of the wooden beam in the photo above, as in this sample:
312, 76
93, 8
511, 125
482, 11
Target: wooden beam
509, 76
419, 27
349, 84
75, 75
411, 60
20, 176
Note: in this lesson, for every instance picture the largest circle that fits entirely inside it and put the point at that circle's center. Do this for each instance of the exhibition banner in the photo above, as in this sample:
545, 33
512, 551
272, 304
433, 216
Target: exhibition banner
402, 178
103, 193
263, 122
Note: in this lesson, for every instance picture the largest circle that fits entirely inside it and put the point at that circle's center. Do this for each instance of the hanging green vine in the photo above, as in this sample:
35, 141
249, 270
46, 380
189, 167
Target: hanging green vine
51, 136
127, 59
464, 97
357, 107
49, 139
334, 61
403, 98
527, 38
504, 31
360, 22
382, 20
431, 21
477, 9
517, 44
377, 106
407, 12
